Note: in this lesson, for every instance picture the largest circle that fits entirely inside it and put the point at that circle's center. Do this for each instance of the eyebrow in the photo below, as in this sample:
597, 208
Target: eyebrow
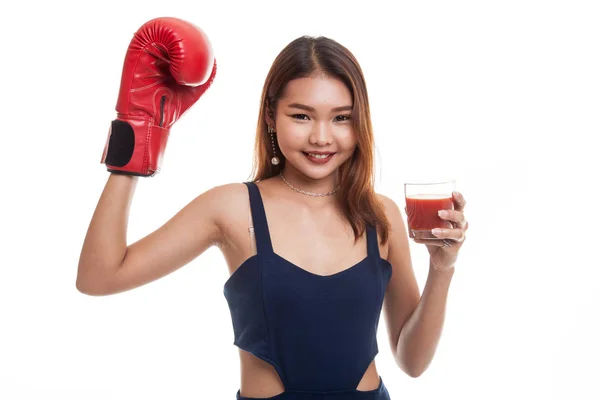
308, 108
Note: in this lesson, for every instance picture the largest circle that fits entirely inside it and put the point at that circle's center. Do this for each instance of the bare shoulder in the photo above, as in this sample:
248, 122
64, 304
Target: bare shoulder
226, 191
392, 211
228, 201
394, 216
390, 205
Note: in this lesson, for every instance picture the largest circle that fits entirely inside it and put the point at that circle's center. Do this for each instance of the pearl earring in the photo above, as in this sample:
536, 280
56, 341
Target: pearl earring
274, 160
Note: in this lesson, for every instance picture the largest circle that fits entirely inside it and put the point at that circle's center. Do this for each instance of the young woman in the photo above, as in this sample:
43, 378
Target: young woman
313, 252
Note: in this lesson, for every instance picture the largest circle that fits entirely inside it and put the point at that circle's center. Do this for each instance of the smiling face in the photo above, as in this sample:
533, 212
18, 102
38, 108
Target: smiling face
313, 119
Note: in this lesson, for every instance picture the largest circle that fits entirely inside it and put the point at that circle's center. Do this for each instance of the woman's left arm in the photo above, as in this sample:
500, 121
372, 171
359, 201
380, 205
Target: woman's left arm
421, 332
415, 324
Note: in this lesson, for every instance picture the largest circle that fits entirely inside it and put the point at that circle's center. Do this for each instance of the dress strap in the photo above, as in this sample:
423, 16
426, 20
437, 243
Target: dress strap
259, 220
372, 243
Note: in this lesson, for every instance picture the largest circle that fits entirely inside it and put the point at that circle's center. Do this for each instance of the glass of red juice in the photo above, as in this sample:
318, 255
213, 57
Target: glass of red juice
423, 201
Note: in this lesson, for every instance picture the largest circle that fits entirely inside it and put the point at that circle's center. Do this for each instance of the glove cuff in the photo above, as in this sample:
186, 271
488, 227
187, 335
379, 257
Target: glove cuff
135, 147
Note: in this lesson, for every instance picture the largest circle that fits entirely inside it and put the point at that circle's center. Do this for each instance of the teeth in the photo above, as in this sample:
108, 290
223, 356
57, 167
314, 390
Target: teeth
319, 155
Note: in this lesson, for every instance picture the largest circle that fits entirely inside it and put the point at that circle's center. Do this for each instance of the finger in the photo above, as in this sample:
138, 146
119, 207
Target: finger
454, 234
452, 216
459, 201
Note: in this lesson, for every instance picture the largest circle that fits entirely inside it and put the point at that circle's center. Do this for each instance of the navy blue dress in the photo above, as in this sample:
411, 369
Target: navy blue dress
318, 332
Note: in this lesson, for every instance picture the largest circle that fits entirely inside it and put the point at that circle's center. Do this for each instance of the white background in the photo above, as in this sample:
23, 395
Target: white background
502, 96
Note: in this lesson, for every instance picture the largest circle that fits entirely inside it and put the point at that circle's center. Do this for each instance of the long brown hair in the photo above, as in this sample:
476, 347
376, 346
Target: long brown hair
304, 57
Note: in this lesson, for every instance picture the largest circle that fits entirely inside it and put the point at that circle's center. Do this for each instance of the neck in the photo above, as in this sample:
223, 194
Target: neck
300, 181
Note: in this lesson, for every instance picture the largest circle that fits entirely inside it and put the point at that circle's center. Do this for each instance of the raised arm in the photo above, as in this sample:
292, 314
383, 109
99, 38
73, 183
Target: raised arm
108, 266
168, 66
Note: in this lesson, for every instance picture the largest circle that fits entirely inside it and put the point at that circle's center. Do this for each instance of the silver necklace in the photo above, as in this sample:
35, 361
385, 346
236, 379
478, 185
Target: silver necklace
305, 192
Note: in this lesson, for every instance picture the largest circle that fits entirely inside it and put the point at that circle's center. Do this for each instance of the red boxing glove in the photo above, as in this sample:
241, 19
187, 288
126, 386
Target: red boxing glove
169, 64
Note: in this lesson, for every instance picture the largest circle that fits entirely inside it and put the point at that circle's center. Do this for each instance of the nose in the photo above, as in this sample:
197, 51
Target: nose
321, 134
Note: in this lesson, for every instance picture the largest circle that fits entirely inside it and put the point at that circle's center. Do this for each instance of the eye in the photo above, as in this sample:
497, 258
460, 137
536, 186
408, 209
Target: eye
343, 118
299, 116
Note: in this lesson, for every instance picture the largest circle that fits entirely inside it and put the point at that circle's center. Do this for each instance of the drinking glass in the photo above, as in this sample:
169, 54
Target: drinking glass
423, 201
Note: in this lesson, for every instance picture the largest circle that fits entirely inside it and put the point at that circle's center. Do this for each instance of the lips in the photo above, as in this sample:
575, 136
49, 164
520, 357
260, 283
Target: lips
318, 160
